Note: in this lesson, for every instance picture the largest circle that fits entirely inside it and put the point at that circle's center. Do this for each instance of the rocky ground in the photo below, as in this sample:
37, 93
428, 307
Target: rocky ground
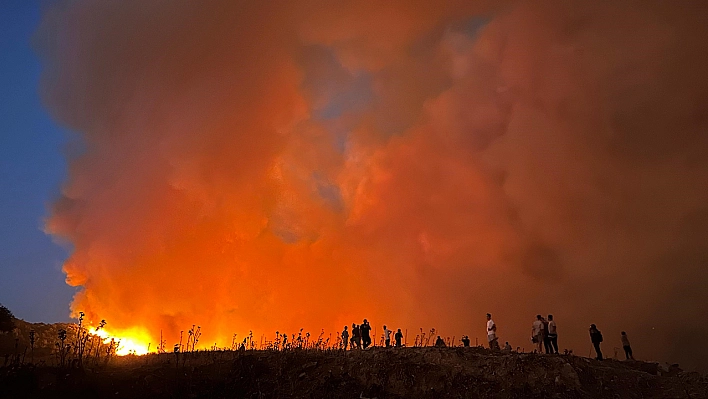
375, 373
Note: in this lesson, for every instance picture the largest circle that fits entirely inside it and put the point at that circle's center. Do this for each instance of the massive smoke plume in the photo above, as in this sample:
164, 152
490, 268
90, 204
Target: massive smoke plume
274, 165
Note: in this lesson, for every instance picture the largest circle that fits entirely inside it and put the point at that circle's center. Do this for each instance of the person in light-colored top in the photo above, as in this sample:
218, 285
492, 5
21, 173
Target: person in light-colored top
626, 346
492, 333
387, 336
537, 333
552, 334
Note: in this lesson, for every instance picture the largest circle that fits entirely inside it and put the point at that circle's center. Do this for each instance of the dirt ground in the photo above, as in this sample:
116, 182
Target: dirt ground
375, 373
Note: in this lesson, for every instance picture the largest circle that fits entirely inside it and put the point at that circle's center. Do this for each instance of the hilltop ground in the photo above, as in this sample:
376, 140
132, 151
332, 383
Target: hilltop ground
374, 373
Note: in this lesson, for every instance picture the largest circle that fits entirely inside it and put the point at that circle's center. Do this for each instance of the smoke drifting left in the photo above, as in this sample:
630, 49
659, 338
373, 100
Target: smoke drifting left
264, 166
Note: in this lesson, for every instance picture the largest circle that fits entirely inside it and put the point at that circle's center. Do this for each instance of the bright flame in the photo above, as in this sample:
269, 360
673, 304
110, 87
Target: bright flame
133, 341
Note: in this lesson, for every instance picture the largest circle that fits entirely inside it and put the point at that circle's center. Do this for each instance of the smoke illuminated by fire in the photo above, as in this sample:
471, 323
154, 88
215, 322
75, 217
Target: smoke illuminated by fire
272, 166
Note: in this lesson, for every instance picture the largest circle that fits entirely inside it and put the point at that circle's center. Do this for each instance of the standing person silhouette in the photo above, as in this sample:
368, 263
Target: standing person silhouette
387, 336
356, 336
626, 346
552, 334
345, 338
365, 334
399, 338
546, 340
537, 333
492, 333
596, 339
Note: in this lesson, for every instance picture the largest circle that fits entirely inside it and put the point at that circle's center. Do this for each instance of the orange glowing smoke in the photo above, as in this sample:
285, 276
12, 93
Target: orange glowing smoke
265, 166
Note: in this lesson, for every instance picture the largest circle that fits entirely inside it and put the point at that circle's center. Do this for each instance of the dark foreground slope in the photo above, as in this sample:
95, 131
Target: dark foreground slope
381, 373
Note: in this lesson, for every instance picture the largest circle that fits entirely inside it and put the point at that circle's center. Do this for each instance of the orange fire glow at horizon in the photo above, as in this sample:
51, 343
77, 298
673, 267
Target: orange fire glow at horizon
133, 341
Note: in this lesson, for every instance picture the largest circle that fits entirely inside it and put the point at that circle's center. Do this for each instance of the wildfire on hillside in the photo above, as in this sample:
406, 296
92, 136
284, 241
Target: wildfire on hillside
129, 342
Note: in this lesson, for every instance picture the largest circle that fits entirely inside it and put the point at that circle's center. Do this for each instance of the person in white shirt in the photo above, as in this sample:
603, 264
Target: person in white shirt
387, 336
537, 333
492, 333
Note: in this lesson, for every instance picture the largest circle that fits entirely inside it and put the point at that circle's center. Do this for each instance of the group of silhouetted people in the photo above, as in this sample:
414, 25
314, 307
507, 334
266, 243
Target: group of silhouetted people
544, 336
361, 336
596, 339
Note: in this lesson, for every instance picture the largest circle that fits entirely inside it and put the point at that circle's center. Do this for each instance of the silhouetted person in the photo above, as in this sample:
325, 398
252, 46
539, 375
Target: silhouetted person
507, 347
399, 338
365, 334
544, 332
356, 336
552, 334
626, 346
492, 333
465, 341
537, 333
596, 338
345, 337
439, 343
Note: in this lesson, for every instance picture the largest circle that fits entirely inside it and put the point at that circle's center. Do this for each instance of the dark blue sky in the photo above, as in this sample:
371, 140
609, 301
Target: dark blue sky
32, 168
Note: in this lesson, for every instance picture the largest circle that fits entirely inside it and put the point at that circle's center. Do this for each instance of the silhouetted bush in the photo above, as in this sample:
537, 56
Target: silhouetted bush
7, 320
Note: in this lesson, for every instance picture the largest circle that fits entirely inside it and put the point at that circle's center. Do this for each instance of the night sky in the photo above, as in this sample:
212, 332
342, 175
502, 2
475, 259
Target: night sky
32, 167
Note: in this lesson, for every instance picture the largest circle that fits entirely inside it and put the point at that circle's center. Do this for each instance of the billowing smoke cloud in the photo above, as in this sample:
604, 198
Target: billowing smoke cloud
268, 166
